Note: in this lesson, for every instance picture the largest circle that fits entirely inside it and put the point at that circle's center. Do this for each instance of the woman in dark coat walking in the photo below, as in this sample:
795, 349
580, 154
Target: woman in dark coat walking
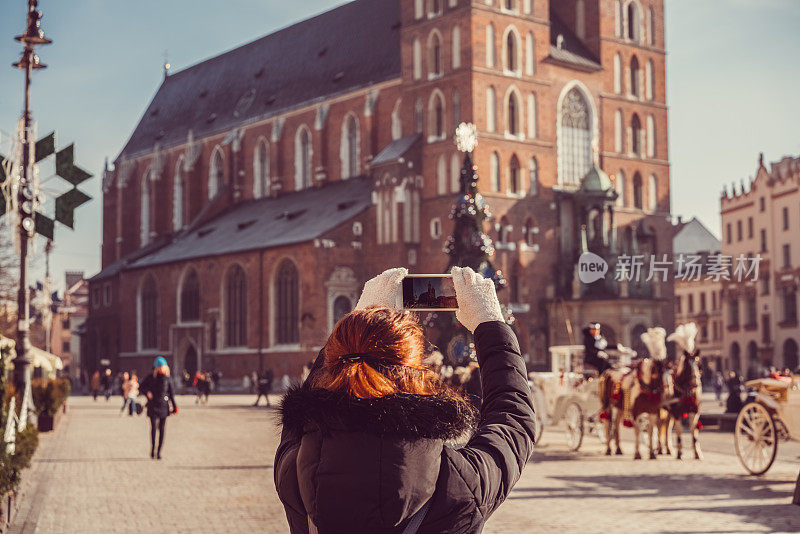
158, 389
367, 442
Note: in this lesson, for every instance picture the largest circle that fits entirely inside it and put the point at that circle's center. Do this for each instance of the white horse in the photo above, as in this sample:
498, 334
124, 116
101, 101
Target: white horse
687, 390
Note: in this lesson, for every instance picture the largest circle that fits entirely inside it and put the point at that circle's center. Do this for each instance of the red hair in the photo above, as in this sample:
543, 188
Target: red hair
393, 347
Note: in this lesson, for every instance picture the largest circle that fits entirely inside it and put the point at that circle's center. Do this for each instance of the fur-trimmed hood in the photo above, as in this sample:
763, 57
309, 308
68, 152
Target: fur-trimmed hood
446, 415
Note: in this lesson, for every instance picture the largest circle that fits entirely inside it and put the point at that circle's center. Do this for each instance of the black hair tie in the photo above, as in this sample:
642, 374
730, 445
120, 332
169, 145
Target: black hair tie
354, 357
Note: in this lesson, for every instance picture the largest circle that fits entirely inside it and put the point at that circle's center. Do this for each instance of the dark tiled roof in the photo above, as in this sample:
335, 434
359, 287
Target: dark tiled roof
572, 51
395, 150
292, 218
351, 46
112, 269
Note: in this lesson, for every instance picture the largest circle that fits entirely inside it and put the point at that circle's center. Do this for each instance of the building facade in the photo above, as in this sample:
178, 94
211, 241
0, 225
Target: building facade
761, 326
262, 187
698, 296
68, 323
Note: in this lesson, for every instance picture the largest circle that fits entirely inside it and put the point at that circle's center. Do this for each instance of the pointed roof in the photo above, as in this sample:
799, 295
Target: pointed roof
694, 238
352, 46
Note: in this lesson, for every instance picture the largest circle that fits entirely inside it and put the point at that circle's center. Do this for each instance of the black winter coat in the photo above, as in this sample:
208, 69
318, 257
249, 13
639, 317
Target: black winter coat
160, 387
366, 466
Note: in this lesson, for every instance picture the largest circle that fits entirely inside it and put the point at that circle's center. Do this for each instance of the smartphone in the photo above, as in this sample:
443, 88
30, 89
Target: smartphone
428, 292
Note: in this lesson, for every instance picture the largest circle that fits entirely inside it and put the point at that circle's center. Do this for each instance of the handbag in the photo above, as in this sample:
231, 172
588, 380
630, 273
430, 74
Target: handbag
139, 409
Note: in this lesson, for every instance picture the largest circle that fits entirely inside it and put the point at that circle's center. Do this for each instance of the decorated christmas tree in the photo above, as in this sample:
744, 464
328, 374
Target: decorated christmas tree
468, 246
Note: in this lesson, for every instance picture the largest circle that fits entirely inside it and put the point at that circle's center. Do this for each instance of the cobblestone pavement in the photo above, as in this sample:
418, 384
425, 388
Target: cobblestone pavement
93, 474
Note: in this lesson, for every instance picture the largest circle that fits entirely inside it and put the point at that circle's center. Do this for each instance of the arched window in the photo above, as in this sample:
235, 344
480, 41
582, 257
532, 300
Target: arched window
177, 196
790, 357
261, 180
418, 120
456, 110
632, 29
235, 307
148, 314
419, 9
287, 308
302, 159
190, 297
651, 27
736, 357
417, 59
512, 51
533, 177
512, 114
617, 18
397, 123
513, 175
530, 56
341, 307
441, 175
622, 196
510, 5
490, 46
651, 137
503, 233
638, 196
532, 126
434, 7
529, 232
575, 152
618, 125
648, 80
350, 151
634, 81
216, 173
455, 174
456, 45
617, 73
434, 54
527, 6
652, 193
752, 356
144, 210
436, 116
491, 110
636, 135
580, 19
494, 171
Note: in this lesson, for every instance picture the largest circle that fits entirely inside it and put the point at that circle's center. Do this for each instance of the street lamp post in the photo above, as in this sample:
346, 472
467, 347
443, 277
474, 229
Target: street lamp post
29, 62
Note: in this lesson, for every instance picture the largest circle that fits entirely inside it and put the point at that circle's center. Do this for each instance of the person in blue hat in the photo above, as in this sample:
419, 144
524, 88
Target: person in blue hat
158, 389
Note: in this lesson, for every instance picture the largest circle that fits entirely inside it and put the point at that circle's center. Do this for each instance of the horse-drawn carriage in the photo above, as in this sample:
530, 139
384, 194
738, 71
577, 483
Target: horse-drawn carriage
568, 392
773, 415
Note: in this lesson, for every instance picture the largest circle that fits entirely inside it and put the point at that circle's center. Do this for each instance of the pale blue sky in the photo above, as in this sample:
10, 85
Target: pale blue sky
732, 83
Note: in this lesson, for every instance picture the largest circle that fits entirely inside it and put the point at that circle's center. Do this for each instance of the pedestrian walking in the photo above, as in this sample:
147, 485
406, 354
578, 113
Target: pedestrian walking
719, 384
108, 383
124, 393
264, 386
372, 416
130, 390
202, 384
95, 385
157, 387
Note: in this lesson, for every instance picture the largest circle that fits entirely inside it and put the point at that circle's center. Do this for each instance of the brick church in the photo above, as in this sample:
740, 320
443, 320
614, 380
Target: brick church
263, 186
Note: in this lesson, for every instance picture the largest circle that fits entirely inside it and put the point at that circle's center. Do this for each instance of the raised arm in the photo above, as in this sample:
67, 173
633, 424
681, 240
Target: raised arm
497, 453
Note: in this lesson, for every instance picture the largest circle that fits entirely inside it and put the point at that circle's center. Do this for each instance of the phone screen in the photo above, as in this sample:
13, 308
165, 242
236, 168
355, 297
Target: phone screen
427, 292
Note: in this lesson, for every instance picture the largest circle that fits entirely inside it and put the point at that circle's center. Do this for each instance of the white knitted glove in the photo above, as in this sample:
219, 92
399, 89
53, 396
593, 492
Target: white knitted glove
382, 290
477, 298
